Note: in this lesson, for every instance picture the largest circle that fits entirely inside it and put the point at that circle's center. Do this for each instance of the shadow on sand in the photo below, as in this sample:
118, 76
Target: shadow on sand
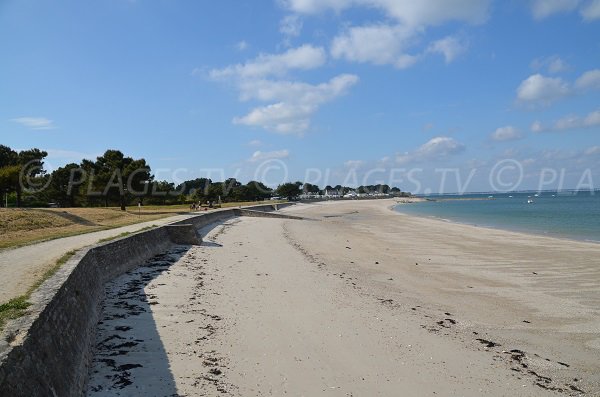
130, 358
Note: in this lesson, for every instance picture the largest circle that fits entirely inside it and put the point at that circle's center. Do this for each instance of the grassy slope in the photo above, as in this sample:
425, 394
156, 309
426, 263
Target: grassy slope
20, 227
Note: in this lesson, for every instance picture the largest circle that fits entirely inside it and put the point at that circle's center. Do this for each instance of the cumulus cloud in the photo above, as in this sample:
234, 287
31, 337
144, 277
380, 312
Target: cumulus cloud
537, 126
409, 12
541, 89
590, 80
255, 143
591, 11
292, 103
592, 151
450, 47
508, 133
305, 57
291, 26
378, 44
544, 8
569, 122
262, 156
388, 43
354, 164
538, 88
588, 9
436, 148
297, 102
553, 64
35, 123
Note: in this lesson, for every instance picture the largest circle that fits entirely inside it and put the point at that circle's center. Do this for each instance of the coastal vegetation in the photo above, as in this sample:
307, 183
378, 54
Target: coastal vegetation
117, 180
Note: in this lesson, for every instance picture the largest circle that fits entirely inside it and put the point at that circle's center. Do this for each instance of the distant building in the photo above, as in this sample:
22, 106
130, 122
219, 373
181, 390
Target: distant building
332, 193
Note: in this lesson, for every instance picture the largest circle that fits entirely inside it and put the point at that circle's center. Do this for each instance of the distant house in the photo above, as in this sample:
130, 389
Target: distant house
332, 193
309, 196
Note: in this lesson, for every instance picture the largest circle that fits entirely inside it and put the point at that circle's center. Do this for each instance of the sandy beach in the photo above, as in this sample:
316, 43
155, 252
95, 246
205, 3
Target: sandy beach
355, 300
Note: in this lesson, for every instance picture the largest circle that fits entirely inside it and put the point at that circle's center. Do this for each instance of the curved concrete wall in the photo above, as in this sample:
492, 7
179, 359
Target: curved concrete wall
48, 351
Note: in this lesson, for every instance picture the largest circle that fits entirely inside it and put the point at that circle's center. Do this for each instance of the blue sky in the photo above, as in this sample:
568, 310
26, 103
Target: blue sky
329, 91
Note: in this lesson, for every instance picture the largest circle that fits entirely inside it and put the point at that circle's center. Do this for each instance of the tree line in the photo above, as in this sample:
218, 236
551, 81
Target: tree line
114, 179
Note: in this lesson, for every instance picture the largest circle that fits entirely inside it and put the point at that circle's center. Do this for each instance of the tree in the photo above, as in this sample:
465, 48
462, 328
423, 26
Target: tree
162, 191
310, 188
8, 156
289, 190
121, 177
61, 188
257, 191
20, 169
9, 178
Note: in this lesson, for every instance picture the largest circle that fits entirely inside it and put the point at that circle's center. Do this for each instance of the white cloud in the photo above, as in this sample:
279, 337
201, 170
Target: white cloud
588, 9
570, 122
537, 126
280, 117
354, 164
544, 8
262, 156
242, 45
450, 47
508, 133
305, 57
541, 89
378, 44
591, 11
255, 143
592, 151
537, 88
553, 64
592, 119
35, 123
291, 26
589, 80
387, 43
409, 12
567, 123
436, 148
292, 104
297, 102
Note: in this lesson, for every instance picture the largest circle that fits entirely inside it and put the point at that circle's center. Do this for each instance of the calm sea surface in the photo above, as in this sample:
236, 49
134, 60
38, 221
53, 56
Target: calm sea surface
566, 215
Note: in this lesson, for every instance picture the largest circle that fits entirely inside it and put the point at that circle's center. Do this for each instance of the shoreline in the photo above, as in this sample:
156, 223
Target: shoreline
492, 227
362, 303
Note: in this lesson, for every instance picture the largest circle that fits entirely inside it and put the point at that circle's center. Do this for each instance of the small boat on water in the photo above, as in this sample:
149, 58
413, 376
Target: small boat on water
529, 201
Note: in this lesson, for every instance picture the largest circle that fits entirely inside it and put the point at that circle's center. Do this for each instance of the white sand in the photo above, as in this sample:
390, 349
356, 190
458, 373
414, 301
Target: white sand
339, 306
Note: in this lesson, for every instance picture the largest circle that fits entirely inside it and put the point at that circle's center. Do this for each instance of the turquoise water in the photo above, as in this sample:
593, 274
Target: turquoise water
565, 215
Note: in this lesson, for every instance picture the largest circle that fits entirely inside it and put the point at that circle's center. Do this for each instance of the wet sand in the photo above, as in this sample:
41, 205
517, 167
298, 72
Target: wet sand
358, 301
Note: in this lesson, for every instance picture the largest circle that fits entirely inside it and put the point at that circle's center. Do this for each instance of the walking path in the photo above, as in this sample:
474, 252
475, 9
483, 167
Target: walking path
21, 267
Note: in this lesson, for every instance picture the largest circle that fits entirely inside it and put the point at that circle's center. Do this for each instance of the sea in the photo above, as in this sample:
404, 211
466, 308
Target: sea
571, 215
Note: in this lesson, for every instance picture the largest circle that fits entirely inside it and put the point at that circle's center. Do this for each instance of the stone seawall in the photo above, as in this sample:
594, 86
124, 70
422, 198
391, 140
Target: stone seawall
48, 351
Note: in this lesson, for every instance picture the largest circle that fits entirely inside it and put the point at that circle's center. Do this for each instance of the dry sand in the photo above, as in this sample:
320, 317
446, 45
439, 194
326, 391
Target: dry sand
360, 301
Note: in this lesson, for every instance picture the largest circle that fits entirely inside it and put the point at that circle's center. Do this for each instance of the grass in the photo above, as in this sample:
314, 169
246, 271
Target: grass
125, 234
19, 227
17, 307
